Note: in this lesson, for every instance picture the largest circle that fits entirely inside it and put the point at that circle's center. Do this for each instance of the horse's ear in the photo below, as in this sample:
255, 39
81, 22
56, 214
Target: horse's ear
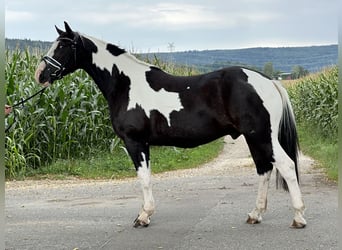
60, 32
67, 28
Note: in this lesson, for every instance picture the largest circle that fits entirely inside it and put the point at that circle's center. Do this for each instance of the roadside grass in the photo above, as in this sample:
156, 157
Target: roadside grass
322, 149
118, 165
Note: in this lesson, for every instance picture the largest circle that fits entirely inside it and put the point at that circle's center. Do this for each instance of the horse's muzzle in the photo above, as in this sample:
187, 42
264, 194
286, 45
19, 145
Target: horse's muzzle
53, 68
48, 71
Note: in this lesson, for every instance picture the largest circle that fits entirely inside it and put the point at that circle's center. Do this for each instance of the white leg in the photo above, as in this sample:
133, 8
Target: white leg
254, 217
286, 168
144, 174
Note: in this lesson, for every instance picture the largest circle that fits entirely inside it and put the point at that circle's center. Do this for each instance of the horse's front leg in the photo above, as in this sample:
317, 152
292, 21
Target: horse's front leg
144, 174
140, 155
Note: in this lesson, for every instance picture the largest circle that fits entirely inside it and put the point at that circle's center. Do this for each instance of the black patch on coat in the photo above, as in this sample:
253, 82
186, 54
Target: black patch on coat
159, 79
115, 50
88, 44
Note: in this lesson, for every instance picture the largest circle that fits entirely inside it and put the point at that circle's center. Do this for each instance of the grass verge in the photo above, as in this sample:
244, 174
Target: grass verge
117, 165
321, 148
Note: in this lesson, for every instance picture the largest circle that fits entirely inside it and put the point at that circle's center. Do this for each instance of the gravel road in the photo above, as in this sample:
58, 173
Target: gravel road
201, 208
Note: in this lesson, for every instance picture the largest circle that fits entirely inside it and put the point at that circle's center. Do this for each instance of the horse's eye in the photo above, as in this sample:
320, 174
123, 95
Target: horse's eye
60, 46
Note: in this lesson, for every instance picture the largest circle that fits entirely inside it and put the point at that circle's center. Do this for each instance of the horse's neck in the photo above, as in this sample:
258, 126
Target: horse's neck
104, 62
104, 59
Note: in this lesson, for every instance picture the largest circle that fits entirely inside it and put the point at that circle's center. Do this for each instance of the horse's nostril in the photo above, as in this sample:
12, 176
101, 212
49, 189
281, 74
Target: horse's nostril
41, 77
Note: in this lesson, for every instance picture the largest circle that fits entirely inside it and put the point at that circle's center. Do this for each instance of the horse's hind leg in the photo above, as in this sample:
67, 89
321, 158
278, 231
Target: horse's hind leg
254, 217
286, 167
280, 160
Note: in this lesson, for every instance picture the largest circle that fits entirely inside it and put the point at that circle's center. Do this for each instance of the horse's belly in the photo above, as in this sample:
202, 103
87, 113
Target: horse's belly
192, 136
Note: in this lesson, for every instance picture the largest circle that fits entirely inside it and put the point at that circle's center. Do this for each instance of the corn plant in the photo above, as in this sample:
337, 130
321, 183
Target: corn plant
69, 120
315, 101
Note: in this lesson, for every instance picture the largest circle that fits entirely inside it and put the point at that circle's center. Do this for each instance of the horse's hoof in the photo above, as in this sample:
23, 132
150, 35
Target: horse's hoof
251, 220
141, 223
296, 224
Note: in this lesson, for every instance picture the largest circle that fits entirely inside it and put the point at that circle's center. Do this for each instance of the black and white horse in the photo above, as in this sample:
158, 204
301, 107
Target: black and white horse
150, 107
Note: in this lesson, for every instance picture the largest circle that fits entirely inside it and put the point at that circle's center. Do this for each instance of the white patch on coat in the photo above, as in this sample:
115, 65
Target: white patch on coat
269, 95
42, 64
140, 91
51, 51
144, 174
272, 101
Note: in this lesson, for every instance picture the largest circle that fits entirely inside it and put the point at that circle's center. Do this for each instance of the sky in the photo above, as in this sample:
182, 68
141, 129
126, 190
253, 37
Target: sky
173, 25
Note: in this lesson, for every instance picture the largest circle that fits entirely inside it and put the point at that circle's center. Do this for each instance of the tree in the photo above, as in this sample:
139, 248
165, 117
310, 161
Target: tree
268, 69
298, 71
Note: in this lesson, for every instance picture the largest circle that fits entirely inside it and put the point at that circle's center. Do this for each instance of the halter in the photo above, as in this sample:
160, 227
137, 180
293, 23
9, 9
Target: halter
55, 67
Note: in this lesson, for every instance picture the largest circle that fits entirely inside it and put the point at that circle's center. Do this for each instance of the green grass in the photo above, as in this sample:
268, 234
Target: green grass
117, 165
320, 148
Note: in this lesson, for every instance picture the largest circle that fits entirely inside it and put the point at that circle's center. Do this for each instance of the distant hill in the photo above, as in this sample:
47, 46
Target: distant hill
283, 59
312, 58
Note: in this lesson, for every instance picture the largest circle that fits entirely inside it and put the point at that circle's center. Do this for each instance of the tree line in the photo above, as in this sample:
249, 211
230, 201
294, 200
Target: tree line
24, 44
296, 72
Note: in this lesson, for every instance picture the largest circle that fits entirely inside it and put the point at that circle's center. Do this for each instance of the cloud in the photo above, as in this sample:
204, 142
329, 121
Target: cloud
174, 16
18, 16
183, 14
159, 14
191, 24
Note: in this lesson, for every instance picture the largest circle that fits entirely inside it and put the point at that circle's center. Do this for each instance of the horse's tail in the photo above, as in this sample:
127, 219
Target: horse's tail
287, 135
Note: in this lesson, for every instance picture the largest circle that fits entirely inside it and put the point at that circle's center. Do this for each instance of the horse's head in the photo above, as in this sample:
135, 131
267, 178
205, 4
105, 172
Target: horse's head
61, 59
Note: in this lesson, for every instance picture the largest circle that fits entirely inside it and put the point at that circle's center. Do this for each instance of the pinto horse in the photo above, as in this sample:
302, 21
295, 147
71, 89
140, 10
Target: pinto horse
150, 107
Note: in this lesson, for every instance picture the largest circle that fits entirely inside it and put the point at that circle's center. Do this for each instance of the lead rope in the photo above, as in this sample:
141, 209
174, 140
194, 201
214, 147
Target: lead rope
21, 103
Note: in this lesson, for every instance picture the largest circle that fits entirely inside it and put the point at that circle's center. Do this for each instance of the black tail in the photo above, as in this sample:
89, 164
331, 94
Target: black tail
287, 135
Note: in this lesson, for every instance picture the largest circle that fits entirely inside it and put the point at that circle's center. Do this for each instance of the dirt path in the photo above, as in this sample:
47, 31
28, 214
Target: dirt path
201, 208
234, 160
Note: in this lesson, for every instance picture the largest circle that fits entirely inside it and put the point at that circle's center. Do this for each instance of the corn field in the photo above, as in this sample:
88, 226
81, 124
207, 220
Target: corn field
315, 102
68, 121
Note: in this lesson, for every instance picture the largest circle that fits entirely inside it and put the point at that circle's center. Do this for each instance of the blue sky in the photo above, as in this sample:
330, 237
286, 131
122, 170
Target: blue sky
151, 25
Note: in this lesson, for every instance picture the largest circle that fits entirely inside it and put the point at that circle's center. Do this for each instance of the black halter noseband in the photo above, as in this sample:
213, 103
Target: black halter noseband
56, 68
